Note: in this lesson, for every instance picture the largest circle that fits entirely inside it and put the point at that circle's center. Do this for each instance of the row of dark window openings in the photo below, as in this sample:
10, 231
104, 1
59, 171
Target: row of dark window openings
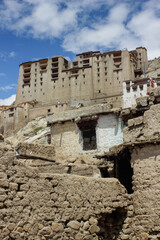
104, 56
98, 69
68, 85
135, 88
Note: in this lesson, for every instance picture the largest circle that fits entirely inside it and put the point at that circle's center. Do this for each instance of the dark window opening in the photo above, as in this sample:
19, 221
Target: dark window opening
86, 61
74, 72
128, 89
88, 134
104, 172
49, 138
89, 139
69, 169
117, 60
49, 110
134, 88
120, 168
54, 70
75, 64
141, 87
11, 109
55, 59
54, 65
123, 170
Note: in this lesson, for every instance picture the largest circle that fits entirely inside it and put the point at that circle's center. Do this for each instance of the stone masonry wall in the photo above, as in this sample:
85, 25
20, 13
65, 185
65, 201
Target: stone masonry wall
144, 128
146, 186
43, 206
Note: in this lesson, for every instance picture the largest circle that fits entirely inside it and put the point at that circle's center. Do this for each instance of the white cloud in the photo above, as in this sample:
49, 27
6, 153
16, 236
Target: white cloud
41, 19
87, 24
122, 28
145, 25
12, 54
5, 55
9, 87
106, 34
8, 101
46, 19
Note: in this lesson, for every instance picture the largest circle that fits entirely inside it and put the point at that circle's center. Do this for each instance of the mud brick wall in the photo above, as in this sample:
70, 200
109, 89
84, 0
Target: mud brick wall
146, 186
43, 206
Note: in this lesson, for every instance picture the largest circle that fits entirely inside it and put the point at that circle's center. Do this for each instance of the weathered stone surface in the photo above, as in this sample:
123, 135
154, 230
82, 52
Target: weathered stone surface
78, 113
74, 224
57, 227
144, 128
41, 205
146, 166
36, 201
142, 101
93, 221
49, 205
94, 229
45, 231
36, 150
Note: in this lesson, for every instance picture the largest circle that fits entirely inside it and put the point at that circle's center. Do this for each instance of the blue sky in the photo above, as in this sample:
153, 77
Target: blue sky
34, 29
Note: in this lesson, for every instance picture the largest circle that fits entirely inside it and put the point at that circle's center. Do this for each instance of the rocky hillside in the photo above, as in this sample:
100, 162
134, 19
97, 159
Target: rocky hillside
153, 68
34, 132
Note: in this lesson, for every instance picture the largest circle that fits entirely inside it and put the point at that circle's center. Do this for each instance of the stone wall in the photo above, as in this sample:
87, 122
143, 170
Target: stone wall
146, 186
144, 128
38, 205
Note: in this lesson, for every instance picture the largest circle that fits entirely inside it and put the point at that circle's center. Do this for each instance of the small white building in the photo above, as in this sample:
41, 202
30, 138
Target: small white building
135, 89
93, 129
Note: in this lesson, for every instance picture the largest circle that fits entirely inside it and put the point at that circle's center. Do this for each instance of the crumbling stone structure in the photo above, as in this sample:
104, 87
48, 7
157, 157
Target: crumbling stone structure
114, 195
37, 205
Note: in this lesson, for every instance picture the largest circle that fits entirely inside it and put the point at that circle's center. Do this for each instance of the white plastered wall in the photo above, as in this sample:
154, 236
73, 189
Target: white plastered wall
129, 98
109, 133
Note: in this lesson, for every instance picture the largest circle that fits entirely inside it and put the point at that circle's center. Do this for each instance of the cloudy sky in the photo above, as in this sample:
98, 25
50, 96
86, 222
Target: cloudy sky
34, 29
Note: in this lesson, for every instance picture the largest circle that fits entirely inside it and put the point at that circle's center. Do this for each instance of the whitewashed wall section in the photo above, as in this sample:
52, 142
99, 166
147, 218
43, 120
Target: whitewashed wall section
129, 98
109, 132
